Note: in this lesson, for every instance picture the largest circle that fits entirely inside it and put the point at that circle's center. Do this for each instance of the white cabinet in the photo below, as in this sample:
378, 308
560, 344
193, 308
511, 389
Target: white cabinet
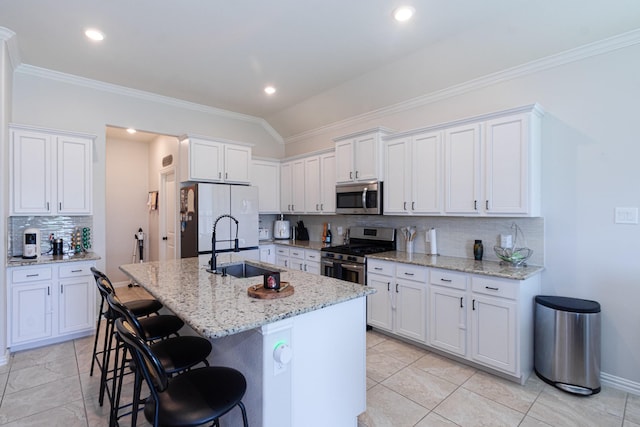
282, 256
359, 157
265, 175
299, 259
448, 311
268, 253
413, 174
50, 304
320, 184
205, 160
399, 305
312, 261
292, 186
462, 169
51, 172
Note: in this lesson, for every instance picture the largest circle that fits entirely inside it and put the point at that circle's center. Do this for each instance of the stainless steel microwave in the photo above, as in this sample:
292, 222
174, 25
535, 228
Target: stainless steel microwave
364, 198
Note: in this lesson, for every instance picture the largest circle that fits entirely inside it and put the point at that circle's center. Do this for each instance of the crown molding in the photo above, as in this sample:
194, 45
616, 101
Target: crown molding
146, 96
12, 46
586, 51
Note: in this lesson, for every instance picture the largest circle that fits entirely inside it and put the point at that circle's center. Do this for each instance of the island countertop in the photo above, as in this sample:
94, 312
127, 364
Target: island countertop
217, 306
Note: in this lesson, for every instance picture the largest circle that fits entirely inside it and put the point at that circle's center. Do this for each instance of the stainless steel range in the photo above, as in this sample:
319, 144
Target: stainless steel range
348, 262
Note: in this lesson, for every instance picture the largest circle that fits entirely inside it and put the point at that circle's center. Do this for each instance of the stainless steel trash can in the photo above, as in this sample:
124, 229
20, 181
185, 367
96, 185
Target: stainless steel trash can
567, 343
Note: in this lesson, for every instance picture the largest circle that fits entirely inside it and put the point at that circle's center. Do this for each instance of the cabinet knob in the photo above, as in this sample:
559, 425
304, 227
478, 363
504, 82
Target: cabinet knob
165, 238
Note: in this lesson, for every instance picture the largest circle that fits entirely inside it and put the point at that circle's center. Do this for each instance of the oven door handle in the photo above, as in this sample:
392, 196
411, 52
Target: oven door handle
352, 267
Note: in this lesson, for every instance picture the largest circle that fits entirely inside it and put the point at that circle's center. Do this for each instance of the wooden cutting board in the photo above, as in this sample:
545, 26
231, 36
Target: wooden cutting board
260, 292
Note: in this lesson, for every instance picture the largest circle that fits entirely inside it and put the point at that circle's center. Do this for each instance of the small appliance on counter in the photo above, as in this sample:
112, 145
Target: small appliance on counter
281, 229
31, 244
264, 233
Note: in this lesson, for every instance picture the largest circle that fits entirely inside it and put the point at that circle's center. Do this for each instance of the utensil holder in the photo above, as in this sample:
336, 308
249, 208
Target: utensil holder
409, 246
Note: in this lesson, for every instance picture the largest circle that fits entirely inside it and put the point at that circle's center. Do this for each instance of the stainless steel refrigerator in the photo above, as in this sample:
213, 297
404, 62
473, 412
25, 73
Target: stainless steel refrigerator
201, 204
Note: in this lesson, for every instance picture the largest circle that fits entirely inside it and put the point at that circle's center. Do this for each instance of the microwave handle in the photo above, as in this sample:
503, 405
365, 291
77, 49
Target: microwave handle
364, 199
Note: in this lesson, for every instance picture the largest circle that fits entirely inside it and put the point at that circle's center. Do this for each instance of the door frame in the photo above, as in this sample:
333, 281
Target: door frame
162, 217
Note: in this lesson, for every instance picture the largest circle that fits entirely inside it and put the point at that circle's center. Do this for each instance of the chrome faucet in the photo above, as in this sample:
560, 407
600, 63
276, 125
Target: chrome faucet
213, 262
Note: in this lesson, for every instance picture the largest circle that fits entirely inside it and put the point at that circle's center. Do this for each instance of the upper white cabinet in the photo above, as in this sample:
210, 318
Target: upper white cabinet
413, 174
359, 157
265, 174
51, 172
320, 183
205, 160
292, 186
462, 170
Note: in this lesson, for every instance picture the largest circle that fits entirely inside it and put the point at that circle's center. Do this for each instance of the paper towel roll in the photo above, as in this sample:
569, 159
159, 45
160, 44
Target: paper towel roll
433, 248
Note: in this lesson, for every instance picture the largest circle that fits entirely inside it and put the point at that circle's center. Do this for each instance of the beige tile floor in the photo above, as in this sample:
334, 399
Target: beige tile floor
407, 386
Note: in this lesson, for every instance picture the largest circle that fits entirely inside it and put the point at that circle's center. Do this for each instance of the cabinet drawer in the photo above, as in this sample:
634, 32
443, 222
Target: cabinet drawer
74, 269
496, 287
380, 267
282, 251
448, 279
411, 272
30, 274
296, 253
312, 255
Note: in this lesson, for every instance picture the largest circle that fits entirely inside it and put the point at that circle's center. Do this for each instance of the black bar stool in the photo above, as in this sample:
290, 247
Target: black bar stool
176, 354
195, 397
140, 307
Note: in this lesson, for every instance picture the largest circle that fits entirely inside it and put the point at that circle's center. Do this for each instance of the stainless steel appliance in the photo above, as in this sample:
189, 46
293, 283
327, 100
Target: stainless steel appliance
348, 262
363, 198
31, 243
201, 204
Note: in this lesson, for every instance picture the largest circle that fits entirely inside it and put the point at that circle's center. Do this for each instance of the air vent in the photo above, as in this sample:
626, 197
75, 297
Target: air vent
167, 161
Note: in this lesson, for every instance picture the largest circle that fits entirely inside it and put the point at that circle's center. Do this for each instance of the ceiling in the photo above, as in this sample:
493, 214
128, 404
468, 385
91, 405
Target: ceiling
328, 59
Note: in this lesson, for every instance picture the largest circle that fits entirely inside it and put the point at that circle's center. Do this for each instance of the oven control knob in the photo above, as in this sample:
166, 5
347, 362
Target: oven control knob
282, 353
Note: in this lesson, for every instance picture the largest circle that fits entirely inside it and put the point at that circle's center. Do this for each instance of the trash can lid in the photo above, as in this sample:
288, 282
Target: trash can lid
574, 305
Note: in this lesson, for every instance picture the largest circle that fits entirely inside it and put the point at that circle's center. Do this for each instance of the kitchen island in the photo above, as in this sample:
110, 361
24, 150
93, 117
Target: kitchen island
321, 328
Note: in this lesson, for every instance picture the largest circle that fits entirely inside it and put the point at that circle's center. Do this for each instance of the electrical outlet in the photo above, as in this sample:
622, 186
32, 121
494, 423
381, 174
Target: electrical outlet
626, 215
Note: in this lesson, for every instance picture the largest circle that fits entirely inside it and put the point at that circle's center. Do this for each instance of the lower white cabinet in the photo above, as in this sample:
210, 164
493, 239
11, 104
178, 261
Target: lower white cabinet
448, 311
298, 258
51, 303
268, 253
399, 306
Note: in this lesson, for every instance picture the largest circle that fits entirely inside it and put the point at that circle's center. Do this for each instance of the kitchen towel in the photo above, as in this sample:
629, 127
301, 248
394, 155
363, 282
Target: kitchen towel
431, 238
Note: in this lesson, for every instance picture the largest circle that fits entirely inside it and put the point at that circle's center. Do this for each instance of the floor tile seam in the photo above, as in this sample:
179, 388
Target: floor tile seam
382, 383
82, 391
485, 397
44, 411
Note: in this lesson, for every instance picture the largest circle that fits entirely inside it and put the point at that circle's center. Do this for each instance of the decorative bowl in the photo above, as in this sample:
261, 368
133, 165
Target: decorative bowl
516, 257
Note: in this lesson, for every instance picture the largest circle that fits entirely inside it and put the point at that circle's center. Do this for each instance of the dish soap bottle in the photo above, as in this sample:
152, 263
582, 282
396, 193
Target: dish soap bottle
478, 250
327, 239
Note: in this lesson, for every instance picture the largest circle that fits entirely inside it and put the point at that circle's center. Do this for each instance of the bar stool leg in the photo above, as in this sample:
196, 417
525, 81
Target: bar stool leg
95, 341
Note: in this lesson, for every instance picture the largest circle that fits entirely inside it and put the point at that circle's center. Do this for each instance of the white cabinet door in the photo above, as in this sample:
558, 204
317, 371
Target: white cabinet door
366, 157
397, 190
379, 313
237, 164
206, 160
286, 191
268, 254
75, 177
266, 176
462, 170
426, 174
76, 304
410, 309
31, 172
328, 183
312, 184
447, 319
507, 165
297, 186
344, 161
31, 312
494, 332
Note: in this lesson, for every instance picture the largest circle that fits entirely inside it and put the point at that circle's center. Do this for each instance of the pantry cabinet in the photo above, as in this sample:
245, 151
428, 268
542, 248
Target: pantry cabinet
206, 160
50, 304
51, 172
265, 175
359, 156
413, 174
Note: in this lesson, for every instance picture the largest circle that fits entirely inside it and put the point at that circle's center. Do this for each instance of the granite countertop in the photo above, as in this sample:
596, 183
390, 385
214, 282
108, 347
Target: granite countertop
305, 244
218, 306
487, 268
51, 259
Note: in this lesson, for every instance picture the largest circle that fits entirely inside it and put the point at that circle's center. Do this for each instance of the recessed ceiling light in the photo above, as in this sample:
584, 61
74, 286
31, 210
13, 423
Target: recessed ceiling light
403, 13
93, 34
131, 131
270, 90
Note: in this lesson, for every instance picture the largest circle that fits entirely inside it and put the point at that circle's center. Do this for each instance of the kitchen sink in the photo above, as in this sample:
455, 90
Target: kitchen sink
244, 270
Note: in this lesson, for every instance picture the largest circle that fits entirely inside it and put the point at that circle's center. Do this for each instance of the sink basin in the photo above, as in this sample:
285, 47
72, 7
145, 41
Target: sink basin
243, 270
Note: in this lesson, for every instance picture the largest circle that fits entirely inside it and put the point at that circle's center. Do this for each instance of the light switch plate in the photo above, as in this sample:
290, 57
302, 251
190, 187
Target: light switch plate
626, 216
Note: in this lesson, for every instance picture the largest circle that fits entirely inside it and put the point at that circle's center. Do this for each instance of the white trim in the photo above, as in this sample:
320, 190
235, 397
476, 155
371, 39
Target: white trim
593, 49
4, 359
147, 96
620, 383
12, 46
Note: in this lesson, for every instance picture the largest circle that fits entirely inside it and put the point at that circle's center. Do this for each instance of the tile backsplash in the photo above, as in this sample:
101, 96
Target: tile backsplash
59, 226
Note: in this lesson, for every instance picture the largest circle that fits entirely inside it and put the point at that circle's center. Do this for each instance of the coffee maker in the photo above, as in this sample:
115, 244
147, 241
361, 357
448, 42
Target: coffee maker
31, 243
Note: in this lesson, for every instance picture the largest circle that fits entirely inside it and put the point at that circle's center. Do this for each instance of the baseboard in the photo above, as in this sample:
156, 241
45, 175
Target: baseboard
4, 358
620, 383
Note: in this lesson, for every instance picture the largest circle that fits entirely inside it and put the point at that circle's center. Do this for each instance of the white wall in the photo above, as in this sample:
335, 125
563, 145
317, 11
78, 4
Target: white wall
590, 166
127, 184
